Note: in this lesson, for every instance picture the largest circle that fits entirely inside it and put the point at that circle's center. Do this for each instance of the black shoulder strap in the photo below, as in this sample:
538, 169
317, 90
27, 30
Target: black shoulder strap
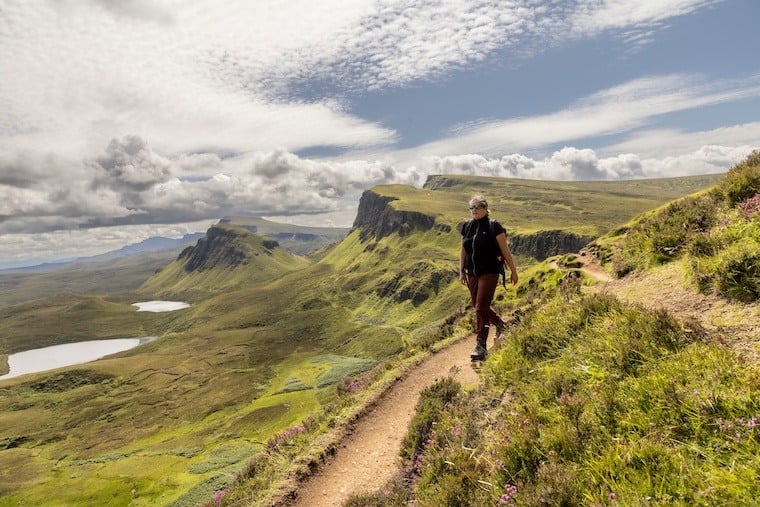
501, 266
466, 228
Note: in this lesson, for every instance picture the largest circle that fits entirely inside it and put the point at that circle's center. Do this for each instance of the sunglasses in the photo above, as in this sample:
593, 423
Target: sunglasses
477, 206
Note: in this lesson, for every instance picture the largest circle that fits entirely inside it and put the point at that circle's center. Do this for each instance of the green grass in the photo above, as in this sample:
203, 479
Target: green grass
718, 231
588, 400
155, 425
589, 208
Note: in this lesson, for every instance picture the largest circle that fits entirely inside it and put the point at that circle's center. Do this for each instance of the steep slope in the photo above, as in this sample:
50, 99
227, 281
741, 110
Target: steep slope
228, 257
639, 390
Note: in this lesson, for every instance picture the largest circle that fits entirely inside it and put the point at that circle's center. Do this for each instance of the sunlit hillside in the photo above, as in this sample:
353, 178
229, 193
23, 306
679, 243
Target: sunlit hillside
228, 257
270, 343
643, 390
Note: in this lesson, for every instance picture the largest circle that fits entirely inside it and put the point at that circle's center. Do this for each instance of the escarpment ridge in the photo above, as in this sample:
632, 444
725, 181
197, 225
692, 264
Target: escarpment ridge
221, 247
544, 244
376, 217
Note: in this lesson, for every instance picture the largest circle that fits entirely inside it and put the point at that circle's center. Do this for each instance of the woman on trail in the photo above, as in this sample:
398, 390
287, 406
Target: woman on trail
482, 258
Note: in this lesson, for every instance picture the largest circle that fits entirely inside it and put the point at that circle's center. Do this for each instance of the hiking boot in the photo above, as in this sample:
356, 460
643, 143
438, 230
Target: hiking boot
479, 352
500, 327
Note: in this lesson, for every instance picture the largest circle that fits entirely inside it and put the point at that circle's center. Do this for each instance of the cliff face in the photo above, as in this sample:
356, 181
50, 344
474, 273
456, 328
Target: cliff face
222, 247
376, 218
544, 244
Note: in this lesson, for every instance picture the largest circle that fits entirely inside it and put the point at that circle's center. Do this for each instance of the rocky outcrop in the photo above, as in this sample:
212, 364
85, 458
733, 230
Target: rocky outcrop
221, 247
544, 244
418, 283
436, 181
375, 218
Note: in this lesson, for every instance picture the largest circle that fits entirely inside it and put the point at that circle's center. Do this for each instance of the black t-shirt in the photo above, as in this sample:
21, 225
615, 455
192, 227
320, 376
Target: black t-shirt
480, 246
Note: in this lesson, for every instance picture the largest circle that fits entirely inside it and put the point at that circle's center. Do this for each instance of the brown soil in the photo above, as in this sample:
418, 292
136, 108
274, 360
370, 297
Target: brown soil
369, 456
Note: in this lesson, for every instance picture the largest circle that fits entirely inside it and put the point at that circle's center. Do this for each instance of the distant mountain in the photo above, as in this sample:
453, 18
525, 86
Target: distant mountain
298, 239
153, 244
149, 245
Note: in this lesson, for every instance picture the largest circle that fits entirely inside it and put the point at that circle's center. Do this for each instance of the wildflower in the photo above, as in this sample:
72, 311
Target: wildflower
752, 422
417, 467
612, 497
219, 497
508, 497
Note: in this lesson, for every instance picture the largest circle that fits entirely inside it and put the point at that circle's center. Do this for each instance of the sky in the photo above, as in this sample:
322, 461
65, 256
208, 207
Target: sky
126, 119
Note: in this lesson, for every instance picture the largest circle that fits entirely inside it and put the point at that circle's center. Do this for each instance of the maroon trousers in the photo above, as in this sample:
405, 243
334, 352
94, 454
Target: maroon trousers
482, 289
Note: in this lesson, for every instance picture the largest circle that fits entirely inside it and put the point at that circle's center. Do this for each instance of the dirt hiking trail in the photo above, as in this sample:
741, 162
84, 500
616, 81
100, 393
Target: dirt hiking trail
369, 456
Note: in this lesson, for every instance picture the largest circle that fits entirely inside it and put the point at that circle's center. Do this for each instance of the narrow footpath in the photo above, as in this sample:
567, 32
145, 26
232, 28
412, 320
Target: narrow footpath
369, 456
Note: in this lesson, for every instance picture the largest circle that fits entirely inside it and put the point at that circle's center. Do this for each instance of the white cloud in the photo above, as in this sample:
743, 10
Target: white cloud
209, 77
615, 110
76, 76
571, 163
660, 143
593, 16
79, 73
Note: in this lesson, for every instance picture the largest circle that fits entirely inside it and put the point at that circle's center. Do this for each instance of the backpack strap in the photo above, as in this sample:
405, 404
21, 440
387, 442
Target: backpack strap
502, 271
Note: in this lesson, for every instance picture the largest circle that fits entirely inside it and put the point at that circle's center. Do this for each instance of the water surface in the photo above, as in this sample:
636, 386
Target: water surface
67, 354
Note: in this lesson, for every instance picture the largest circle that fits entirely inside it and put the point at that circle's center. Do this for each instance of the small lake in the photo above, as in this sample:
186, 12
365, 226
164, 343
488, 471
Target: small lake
68, 354
160, 306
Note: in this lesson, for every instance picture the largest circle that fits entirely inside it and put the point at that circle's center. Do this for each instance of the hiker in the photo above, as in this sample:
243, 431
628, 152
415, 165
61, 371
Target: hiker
482, 258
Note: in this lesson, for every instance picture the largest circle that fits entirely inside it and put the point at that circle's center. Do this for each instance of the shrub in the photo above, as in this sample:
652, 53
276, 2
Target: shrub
742, 182
430, 408
727, 261
750, 208
738, 273
663, 236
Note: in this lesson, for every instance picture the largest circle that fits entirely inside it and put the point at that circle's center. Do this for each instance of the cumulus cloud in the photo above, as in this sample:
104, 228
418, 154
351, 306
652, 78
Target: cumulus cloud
129, 165
131, 184
571, 163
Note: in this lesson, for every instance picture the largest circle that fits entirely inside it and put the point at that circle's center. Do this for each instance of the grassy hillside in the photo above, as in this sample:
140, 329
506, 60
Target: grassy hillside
652, 398
274, 352
584, 207
227, 258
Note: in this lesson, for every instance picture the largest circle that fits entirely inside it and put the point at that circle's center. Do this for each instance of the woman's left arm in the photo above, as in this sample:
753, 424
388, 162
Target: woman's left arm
501, 239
